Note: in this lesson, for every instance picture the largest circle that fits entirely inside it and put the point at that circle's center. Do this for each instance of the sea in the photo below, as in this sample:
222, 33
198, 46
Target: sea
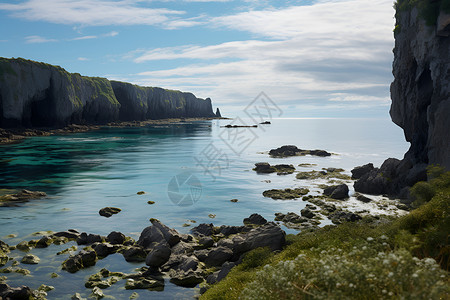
189, 169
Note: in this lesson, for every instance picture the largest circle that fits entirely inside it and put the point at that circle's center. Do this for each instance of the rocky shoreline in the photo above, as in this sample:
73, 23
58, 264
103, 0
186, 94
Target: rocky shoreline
16, 135
206, 254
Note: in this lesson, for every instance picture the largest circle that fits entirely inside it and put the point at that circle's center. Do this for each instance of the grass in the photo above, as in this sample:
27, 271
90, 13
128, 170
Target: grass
392, 258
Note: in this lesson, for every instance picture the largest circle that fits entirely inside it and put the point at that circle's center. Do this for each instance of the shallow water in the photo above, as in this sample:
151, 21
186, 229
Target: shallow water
84, 172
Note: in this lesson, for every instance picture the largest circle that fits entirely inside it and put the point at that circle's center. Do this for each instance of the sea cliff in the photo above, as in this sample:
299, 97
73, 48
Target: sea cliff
34, 94
420, 96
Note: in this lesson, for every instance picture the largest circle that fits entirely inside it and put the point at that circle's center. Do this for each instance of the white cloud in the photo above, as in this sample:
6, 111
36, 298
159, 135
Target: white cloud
331, 53
36, 39
111, 34
89, 12
86, 37
82, 59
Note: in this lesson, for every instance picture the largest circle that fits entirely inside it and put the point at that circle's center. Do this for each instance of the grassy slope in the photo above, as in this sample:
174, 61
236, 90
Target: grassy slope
422, 233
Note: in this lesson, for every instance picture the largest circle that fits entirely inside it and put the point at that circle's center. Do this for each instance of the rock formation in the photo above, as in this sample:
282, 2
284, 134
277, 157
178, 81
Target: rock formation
420, 96
421, 89
34, 94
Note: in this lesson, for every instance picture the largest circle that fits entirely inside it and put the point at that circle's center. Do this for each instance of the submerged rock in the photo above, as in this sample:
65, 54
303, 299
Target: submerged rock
84, 259
109, 211
22, 196
290, 150
286, 193
282, 169
30, 259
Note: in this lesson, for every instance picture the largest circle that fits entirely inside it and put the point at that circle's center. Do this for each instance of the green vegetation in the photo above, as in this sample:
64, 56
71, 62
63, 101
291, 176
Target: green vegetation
5, 68
393, 259
428, 10
102, 88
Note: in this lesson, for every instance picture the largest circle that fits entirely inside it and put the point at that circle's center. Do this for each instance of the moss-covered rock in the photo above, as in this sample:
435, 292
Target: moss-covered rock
286, 194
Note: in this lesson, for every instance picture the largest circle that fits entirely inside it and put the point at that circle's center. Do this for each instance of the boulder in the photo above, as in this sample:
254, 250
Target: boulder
158, 256
104, 249
255, 219
340, 216
109, 211
115, 238
186, 279
134, 254
87, 239
203, 229
360, 171
217, 256
338, 192
264, 167
30, 259
158, 233
84, 259
307, 213
19, 293
70, 234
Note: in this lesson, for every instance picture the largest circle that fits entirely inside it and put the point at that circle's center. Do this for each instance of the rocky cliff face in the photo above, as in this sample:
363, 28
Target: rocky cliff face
420, 96
421, 89
35, 94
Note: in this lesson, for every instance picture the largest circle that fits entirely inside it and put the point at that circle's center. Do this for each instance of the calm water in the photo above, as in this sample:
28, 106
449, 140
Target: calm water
87, 171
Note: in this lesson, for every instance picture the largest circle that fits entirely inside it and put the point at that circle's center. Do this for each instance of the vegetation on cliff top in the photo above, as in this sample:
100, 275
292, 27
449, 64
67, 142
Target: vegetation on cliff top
428, 10
371, 259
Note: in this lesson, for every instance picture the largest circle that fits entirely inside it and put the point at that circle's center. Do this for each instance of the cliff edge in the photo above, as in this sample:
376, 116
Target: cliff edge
420, 96
34, 94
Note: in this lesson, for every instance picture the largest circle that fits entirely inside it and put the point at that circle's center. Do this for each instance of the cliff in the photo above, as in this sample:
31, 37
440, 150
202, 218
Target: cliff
420, 96
34, 94
421, 89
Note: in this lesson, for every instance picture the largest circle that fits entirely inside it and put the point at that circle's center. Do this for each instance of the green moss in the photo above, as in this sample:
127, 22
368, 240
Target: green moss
5, 68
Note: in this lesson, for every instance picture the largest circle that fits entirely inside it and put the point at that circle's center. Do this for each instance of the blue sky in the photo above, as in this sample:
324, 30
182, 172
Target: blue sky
326, 58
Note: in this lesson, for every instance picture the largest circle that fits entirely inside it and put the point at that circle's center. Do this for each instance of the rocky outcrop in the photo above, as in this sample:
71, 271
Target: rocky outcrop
34, 94
420, 96
421, 89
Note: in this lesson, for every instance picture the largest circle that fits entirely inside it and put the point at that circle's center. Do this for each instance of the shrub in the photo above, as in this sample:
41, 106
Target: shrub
369, 271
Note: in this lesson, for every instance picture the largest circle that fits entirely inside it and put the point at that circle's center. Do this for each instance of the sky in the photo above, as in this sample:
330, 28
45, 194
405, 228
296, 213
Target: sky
325, 58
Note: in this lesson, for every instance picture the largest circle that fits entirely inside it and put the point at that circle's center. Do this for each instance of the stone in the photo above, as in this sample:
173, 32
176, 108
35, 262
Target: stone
87, 239
77, 296
338, 192
70, 234
44, 242
84, 259
134, 254
264, 167
24, 246
204, 242
186, 279
19, 293
203, 229
97, 293
290, 150
157, 233
227, 230
219, 255
340, 216
234, 200
30, 259
307, 213
360, 171
362, 198
286, 194
143, 283
255, 219
115, 238
218, 114
109, 211
158, 256
103, 249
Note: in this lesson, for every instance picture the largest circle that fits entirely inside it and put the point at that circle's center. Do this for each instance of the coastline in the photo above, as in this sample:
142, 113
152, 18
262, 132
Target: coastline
16, 135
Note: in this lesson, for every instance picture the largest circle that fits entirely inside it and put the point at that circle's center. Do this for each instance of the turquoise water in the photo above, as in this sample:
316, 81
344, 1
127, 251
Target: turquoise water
87, 171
